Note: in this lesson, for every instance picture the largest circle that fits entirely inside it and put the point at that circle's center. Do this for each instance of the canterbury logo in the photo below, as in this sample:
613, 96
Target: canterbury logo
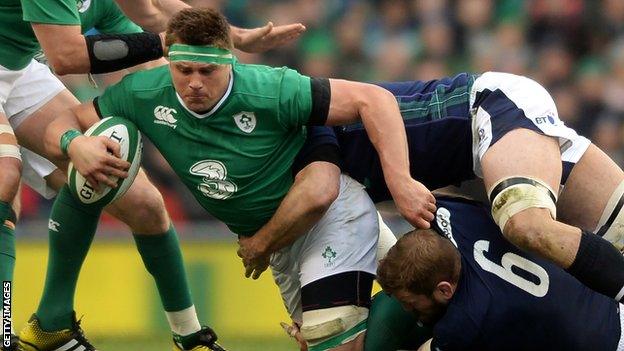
164, 116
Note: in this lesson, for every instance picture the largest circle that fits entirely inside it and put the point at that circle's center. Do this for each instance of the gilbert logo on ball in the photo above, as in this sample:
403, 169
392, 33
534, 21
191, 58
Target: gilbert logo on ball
127, 135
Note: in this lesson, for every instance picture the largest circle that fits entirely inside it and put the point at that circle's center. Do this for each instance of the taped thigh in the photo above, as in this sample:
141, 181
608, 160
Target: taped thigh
35, 169
9, 150
611, 223
515, 194
327, 328
335, 309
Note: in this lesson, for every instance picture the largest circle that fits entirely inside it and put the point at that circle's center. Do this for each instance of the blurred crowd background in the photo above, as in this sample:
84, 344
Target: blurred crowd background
575, 48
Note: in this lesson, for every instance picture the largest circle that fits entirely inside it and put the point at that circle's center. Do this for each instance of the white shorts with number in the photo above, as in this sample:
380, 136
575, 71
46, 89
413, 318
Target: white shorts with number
22, 93
343, 240
501, 102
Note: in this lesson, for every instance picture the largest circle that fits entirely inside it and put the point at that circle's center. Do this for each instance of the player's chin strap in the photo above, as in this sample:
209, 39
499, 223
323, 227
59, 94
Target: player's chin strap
9, 150
611, 223
201, 54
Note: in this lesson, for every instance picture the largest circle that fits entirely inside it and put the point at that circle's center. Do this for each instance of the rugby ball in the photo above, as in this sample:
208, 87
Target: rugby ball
127, 135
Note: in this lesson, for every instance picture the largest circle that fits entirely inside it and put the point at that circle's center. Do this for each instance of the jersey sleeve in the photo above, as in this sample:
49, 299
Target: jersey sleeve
64, 12
455, 332
116, 100
295, 99
115, 22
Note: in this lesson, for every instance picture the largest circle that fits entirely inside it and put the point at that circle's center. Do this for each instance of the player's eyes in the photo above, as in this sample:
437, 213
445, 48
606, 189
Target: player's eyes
206, 71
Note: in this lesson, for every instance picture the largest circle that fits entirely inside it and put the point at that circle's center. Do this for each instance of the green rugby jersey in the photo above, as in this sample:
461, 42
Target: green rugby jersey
236, 159
18, 43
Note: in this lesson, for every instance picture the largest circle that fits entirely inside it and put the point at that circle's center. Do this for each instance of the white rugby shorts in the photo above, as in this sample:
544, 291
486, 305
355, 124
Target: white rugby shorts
343, 240
22, 93
517, 102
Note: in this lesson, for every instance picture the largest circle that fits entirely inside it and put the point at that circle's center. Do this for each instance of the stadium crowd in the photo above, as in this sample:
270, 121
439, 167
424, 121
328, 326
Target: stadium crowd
574, 48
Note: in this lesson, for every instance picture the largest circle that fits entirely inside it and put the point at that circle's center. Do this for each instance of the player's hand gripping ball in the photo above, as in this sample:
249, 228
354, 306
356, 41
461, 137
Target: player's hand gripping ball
127, 135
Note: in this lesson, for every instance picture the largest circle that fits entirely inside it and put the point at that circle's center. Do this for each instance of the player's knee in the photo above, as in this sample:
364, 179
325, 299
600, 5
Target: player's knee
334, 327
525, 229
10, 163
9, 177
320, 201
143, 209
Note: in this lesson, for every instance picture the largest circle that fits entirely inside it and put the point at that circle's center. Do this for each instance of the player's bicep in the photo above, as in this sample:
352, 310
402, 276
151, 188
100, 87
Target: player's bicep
151, 15
64, 47
348, 99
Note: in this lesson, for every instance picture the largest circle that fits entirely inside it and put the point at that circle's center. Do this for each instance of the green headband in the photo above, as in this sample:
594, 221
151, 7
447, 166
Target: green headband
203, 54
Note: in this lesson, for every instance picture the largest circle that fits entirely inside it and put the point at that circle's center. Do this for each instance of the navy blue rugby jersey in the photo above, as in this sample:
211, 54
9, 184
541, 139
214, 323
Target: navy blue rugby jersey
438, 126
507, 299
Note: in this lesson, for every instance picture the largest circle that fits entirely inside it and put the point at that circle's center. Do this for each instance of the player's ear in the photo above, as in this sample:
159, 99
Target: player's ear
443, 291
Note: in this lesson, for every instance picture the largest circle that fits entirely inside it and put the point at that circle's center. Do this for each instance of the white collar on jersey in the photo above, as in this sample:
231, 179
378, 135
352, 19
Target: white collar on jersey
216, 107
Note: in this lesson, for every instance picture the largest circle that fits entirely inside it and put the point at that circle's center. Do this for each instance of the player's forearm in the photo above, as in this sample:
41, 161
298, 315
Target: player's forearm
55, 130
302, 207
152, 15
382, 119
64, 46
80, 118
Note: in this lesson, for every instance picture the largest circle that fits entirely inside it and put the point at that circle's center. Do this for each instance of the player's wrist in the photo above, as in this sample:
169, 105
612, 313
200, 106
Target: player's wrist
396, 180
67, 138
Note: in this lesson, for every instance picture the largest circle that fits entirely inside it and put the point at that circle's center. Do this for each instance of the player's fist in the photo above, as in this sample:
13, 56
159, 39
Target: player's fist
252, 253
97, 159
414, 201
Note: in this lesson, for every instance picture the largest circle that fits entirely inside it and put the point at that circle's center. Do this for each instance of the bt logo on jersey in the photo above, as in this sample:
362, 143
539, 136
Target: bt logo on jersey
550, 118
164, 116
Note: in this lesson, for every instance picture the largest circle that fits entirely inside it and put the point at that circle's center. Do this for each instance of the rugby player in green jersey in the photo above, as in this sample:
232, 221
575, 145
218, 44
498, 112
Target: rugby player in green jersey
31, 96
231, 132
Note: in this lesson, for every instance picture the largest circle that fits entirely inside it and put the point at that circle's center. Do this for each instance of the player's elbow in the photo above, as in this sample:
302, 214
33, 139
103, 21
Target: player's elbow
371, 95
319, 200
152, 21
62, 63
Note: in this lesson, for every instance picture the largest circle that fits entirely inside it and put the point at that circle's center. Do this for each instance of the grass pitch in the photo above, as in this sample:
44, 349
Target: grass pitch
163, 342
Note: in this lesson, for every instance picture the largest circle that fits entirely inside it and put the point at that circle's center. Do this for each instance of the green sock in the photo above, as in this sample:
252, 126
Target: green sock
71, 229
7, 244
390, 327
163, 259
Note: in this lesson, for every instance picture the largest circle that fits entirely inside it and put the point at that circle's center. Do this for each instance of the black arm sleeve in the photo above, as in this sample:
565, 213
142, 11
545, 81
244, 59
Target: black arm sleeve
97, 107
325, 152
113, 52
321, 95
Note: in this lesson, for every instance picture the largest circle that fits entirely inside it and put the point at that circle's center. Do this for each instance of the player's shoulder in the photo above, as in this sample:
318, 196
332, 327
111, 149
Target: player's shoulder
153, 79
263, 80
458, 329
